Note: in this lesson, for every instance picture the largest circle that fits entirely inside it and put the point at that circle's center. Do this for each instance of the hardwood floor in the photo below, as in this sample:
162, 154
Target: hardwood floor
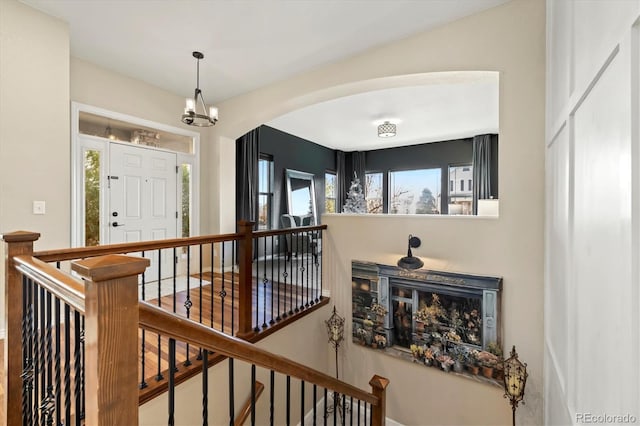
273, 303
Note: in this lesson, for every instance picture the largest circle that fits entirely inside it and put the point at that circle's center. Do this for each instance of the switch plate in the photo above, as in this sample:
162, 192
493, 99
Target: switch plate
39, 207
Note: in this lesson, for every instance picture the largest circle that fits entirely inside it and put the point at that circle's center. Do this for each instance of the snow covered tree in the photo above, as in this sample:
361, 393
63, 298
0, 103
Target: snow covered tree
355, 202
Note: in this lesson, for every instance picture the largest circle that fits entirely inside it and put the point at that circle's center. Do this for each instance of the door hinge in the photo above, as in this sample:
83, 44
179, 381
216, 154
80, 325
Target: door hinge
176, 215
177, 169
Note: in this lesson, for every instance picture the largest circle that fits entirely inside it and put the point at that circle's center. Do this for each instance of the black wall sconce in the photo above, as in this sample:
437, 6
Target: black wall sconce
410, 261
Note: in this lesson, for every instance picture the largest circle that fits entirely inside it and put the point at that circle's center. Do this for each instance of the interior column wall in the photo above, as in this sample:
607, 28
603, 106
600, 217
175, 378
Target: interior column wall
34, 127
593, 214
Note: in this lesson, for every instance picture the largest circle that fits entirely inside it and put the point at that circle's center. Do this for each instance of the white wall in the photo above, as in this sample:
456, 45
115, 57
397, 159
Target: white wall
34, 126
508, 39
593, 211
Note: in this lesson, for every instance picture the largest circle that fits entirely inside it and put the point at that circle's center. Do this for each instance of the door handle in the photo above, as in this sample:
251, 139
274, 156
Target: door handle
114, 224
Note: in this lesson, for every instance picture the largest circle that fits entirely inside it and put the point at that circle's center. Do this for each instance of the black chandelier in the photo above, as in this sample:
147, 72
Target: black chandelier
191, 115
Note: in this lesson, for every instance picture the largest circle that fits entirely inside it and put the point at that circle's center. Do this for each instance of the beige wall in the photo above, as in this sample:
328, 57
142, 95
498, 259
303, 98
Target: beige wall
509, 39
34, 126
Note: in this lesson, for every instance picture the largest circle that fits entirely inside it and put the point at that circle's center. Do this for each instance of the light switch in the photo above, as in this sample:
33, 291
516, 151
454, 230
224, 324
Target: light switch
39, 207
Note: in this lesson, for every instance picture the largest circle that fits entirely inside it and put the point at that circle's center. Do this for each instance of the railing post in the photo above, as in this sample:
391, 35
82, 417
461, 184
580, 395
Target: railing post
378, 388
245, 258
17, 243
111, 338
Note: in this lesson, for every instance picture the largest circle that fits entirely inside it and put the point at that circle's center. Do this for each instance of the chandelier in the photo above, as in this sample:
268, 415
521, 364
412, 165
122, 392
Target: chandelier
191, 115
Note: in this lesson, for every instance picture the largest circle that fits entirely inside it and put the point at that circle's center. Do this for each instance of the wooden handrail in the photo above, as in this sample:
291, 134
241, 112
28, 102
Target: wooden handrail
245, 412
85, 252
167, 324
60, 255
67, 288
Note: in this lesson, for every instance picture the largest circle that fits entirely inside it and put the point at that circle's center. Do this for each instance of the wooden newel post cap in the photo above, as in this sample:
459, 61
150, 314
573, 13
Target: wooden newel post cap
20, 237
110, 267
379, 382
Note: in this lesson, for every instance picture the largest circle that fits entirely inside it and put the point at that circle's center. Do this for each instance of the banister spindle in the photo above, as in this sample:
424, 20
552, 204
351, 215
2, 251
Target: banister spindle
111, 337
17, 243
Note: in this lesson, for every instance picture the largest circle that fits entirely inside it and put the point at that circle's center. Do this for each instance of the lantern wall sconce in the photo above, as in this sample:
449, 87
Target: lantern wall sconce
515, 378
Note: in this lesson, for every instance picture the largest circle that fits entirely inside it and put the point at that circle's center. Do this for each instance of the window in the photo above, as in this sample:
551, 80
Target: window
330, 192
265, 191
91, 197
461, 201
185, 201
373, 192
414, 191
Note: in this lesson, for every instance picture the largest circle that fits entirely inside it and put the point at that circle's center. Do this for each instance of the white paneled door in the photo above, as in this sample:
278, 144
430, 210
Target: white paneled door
142, 192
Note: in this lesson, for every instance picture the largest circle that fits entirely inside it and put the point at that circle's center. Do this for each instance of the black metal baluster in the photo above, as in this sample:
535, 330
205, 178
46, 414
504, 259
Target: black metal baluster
233, 288
288, 400
344, 410
223, 292
77, 367
264, 287
41, 377
325, 412
67, 364
232, 410
299, 239
278, 318
318, 265
48, 404
205, 387
82, 399
213, 288
285, 275
308, 271
272, 320
359, 404
365, 413
57, 380
27, 349
143, 340
159, 375
315, 404
335, 408
272, 385
175, 276
199, 357
172, 382
253, 394
188, 303
293, 235
351, 411
302, 403
257, 305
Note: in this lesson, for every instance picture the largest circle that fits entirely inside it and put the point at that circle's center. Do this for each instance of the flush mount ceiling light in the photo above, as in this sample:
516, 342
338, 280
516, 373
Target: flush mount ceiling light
409, 261
386, 130
191, 115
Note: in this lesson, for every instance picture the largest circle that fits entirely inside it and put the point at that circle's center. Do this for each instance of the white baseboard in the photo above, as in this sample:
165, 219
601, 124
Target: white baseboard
308, 418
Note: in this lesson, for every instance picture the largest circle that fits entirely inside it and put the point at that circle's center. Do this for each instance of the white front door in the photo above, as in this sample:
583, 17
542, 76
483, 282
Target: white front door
142, 200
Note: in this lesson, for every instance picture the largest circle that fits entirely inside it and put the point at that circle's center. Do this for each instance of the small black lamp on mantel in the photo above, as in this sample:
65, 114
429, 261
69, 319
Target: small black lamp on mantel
410, 261
515, 377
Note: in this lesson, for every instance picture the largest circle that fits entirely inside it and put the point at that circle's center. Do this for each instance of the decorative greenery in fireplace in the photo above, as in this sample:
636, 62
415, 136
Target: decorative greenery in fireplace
437, 319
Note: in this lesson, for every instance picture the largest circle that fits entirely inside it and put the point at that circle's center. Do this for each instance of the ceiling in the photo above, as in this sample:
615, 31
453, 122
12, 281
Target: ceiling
247, 44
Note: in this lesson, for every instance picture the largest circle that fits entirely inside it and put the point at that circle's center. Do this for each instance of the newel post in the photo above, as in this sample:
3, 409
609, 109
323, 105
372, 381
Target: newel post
111, 338
17, 243
245, 257
378, 388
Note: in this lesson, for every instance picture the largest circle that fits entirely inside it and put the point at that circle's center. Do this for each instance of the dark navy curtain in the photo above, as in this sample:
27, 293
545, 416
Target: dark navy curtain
247, 153
482, 168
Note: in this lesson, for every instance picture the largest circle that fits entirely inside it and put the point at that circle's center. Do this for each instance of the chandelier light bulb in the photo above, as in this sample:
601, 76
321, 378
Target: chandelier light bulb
191, 105
213, 113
